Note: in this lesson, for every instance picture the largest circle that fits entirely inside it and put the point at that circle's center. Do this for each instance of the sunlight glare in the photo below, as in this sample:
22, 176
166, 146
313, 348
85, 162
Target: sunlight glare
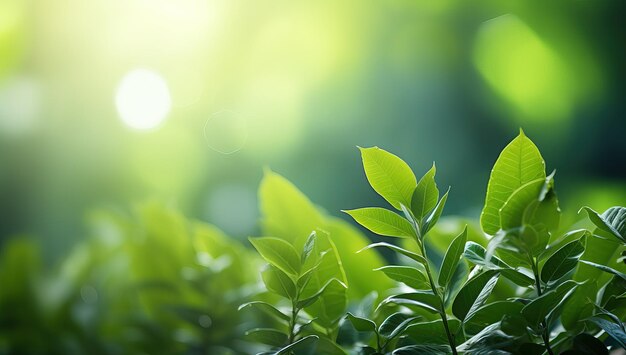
143, 99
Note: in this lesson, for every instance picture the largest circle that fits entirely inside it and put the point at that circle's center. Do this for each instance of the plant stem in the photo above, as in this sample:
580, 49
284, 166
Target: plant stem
544, 333
442, 307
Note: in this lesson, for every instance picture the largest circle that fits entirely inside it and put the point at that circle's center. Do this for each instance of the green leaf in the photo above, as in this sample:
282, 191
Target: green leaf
432, 332
267, 336
474, 293
512, 212
410, 276
304, 346
278, 253
433, 349
612, 221
308, 247
389, 175
425, 195
361, 324
451, 259
489, 314
395, 324
588, 344
579, 307
331, 284
328, 347
421, 299
563, 261
267, 309
433, 218
605, 269
539, 308
278, 282
420, 259
519, 163
382, 221
614, 330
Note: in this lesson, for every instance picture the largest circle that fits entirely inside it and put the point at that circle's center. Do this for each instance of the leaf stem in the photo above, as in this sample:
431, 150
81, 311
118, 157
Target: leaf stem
544, 333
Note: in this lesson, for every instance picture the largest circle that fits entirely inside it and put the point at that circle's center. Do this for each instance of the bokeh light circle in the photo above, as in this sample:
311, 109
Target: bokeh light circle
143, 99
226, 131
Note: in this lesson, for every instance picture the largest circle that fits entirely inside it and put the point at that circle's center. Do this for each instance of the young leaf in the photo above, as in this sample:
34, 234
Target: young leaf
512, 212
309, 245
519, 163
612, 221
538, 309
389, 175
422, 299
267, 336
278, 282
410, 276
382, 221
474, 293
451, 259
563, 261
304, 346
425, 195
361, 324
267, 309
395, 324
420, 259
278, 253
433, 218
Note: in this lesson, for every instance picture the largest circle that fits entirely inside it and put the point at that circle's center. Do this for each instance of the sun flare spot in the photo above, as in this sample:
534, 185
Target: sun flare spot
143, 99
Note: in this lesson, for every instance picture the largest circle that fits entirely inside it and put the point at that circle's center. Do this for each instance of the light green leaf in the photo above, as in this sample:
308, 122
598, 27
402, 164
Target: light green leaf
382, 221
329, 304
410, 276
476, 254
267, 336
519, 163
605, 269
451, 259
579, 306
512, 212
425, 195
489, 314
278, 282
563, 261
474, 293
361, 324
278, 253
389, 175
420, 259
433, 218
395, 324
327, 346
308, 247
539, 308
267, 309
422, 299
612, 221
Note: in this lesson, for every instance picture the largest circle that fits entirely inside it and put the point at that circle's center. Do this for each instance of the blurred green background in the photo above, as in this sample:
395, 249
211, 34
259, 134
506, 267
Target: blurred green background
105, 103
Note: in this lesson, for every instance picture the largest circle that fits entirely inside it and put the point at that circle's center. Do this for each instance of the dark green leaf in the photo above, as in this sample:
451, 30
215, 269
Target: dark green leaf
389, 175
382, 221
433, 349
474, 293
278, 253
422, 299
304, 346
519, 163
588, 344
432, 332
395, 324
425, 195
605, 269
327, 346
267, 336
579, 306
410, 276
361, 324
563, 261
267, 309
489, 314
538, 309
614, 330
451, 259
612, 221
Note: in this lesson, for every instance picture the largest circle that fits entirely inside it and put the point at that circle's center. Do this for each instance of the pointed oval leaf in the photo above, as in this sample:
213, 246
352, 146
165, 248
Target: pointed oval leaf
420, 259
410, 276
395, 324
267, 336
267, 309
519, 163
361, 324
474, 293
425, 195
421, 299
278, 253
278, 282
605, 269
539, 308
614, 330
309, 245
489, 314
304, 346
563, 261
612, 221
432, 332
382, 221
389, 176
433, 218
512, 212
452, 258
